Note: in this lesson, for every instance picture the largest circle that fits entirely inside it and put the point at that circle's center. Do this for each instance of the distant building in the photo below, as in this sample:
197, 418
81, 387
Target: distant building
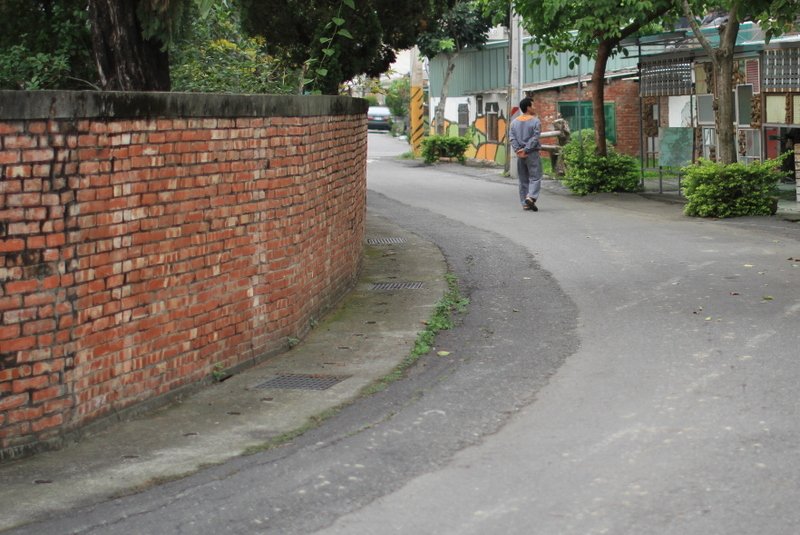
478, 104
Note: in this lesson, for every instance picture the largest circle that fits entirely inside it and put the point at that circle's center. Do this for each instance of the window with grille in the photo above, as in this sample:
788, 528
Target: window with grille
782, 69
668, 77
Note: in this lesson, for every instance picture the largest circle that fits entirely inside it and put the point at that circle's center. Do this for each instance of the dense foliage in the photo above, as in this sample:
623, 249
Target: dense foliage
398, 96
465, 25
45, 45
587, 172
718, 190
299, 31
215, 56
437, 147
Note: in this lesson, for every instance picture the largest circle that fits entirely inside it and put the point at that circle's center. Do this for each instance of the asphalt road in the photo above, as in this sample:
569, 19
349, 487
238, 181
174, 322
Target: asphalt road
622, 369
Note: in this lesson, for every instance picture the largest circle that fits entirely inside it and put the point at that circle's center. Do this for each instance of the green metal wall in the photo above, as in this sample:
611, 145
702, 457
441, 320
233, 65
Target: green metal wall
487, 69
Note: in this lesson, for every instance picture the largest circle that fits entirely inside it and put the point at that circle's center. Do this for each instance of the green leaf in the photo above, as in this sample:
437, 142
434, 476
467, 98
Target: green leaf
349, 3
328, 51
324, 40
344, 33
338, 21
322, 72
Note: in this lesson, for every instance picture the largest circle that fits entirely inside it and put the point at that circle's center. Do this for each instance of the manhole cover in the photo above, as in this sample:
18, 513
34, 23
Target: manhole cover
302, 381
385, 241
396, 286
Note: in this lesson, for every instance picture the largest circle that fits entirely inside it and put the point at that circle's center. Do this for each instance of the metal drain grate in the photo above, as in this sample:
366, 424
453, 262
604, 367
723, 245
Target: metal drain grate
302, 381
396, 286
385, 241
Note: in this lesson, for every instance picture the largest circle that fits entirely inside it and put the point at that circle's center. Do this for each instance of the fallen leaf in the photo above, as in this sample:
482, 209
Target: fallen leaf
443, 353
734, 293
708, 318
748, 265
768, 298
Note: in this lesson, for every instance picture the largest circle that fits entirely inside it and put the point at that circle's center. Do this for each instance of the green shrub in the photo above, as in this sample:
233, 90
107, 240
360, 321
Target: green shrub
717, 190
214, 55
588, 173
39, 51
435, 147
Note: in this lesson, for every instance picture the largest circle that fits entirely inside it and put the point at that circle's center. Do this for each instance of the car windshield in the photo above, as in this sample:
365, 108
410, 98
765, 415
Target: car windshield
378, 110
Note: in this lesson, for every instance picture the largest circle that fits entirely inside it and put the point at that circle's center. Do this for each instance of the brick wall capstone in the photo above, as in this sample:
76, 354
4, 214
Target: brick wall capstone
146, 238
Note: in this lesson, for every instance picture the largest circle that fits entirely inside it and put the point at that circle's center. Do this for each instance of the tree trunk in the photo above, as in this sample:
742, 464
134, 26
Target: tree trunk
125, 60
439, 114
723, 67
598, 96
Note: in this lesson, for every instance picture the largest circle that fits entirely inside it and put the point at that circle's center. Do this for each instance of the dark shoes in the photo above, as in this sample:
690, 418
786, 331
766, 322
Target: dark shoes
530, 204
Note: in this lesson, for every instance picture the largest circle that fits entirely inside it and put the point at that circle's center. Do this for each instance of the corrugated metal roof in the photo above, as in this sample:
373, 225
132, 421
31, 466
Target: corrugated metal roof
487, 69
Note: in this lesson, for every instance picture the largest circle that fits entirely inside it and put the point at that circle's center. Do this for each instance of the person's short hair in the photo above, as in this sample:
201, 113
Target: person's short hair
525, 103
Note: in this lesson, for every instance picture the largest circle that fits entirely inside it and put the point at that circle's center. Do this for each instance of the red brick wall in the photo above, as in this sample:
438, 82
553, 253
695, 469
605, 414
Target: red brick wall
145, 239
623, 93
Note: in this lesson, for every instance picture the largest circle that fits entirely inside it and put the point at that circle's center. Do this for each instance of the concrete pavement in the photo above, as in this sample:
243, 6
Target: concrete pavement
371, 331
361, 341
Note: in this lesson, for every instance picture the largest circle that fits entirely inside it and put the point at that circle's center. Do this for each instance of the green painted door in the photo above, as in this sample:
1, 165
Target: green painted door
579, 116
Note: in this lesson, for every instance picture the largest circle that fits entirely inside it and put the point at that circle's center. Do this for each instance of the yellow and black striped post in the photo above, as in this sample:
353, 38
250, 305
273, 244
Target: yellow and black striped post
416, 110
417, 113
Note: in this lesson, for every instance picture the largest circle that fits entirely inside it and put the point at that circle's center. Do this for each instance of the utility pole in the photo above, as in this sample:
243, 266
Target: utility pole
514, 85
417, 108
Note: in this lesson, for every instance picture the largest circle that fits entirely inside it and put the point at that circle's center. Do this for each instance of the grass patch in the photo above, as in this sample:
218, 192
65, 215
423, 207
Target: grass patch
441, 319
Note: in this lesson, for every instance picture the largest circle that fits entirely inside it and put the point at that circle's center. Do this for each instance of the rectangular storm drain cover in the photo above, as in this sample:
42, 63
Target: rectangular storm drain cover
396, 286
385, 241
302, 381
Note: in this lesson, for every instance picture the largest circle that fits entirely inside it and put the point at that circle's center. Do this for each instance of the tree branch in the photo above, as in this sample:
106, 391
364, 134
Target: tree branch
641, 21
687, 10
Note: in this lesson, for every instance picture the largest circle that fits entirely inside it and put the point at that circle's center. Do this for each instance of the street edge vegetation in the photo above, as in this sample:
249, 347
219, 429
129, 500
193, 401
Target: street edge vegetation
717, 190
442, 318
587, 172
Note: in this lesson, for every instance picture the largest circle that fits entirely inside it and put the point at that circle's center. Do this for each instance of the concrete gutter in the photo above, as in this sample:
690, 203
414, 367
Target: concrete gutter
360, 341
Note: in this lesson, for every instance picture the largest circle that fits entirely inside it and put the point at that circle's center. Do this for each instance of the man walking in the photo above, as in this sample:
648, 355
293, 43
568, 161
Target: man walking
524, 137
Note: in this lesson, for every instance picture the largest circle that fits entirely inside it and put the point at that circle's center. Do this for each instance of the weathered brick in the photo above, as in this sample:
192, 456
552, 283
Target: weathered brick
30, 383
8, 332
25, 414
13, 402
12, 245
47, 422
47, 394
